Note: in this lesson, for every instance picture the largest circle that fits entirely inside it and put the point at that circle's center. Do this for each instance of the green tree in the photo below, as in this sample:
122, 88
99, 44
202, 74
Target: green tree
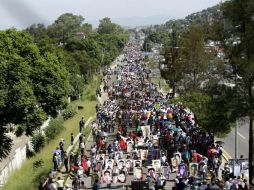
240, 52
76, 80
207, 109
38, 31
173, 59
194, 54
107, 27
87, 29
5, 144
51, 84
65, 27
18, 89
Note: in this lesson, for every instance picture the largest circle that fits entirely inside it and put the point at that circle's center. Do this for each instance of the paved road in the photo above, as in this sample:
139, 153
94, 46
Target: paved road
90, 141
243, 141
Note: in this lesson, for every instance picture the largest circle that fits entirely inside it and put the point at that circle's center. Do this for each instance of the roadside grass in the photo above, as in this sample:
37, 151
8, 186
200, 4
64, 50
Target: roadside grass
29, 177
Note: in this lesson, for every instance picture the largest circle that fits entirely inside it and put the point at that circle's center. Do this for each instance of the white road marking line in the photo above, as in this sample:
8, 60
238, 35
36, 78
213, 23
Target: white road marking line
241, 135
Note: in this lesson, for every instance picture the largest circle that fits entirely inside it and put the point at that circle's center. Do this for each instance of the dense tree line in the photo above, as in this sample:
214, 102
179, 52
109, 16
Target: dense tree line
194, 67
41, 67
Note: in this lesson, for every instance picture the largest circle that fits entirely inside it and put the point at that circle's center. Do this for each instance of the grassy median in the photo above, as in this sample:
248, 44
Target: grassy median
28, 177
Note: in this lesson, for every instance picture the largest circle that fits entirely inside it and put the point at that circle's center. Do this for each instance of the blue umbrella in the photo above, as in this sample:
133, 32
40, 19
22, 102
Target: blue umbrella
176, 129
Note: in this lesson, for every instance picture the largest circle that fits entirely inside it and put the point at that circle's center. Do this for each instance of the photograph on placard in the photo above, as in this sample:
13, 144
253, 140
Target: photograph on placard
129, 146
120, 163
156, 165
155, 140
98, 166
141, 142
143, 154
193, 169
237, 170
165, 171
151, 172
109, 164
137, 163
176, 160
174, 163
115, 173
146, 131
245, 167
129, 165
107, 176
121, 178
138, 175
118, 155
100, 158
182, 170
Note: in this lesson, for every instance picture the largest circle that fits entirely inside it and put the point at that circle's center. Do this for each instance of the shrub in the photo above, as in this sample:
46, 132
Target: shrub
29, 153
38, 142
38, 163
20, 130
93, 97
69, 112
54, 128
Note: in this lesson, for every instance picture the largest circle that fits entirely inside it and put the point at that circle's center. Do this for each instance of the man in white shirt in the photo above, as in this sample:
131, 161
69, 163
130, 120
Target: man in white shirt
60, 183
82, 147
227, 184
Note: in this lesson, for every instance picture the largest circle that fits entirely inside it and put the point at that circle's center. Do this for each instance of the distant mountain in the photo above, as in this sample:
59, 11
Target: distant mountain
141, 21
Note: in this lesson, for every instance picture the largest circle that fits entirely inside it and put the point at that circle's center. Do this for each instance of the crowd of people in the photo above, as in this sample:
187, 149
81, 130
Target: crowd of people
142, 139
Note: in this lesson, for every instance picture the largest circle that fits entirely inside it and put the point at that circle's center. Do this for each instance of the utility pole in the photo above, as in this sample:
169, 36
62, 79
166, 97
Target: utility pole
236, 139
236, 127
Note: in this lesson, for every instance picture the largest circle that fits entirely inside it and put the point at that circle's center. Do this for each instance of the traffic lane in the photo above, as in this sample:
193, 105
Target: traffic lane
243, 130
243, 142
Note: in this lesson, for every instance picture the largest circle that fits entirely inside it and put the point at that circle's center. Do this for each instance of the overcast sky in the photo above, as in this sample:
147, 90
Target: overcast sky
22, 13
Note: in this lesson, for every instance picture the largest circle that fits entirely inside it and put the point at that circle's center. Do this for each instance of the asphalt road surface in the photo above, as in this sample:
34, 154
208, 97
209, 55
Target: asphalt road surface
243, 141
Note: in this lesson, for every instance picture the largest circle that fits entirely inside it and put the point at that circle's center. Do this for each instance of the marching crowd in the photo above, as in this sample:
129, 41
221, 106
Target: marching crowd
140, 137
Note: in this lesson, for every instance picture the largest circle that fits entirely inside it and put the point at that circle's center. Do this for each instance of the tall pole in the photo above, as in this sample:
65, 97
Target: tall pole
236, 139
236, 127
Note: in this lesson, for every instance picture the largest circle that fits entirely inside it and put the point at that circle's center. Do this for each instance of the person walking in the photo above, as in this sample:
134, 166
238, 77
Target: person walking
81, 124
72, 139
96, 185
60, 183
66, 162
82, 148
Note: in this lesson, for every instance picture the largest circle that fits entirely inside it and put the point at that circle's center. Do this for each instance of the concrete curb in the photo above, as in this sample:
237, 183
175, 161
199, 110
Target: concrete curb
71, 147
226, 156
